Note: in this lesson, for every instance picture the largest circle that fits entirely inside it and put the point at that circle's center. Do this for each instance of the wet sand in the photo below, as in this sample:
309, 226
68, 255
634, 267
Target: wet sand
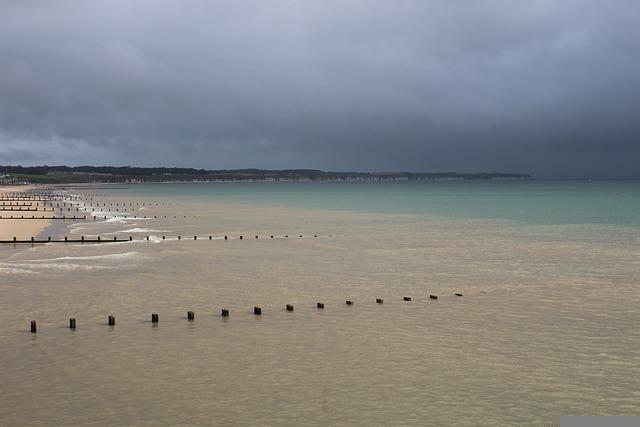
22, 229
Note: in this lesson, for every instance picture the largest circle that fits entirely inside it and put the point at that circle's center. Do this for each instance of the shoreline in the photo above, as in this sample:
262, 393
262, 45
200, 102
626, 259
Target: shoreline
21, 229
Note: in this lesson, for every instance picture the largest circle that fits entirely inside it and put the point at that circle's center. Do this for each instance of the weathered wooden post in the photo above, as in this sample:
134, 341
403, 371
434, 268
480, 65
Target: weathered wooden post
257, 311
34, 326
240, 237
72, 323
191, 315
349, 302
154, 318
225, 312
433, 296
458, 294
289, 307
320, 305
195, 237
112, 320
225, 237
406, 298
379, 300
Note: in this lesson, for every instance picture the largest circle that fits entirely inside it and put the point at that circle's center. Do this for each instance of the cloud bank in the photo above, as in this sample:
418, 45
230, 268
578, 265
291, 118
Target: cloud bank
540, 86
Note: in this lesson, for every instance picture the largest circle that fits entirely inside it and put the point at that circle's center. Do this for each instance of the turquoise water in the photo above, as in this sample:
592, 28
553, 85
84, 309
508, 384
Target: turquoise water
535, 202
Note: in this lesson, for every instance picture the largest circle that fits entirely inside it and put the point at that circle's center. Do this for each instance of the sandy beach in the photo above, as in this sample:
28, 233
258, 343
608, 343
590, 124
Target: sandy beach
22, 229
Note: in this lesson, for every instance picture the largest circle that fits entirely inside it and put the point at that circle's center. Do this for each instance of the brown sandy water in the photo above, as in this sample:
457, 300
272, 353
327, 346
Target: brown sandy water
548, 324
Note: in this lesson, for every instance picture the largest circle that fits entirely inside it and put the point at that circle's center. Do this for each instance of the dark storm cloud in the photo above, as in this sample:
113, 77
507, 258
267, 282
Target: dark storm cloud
547, 87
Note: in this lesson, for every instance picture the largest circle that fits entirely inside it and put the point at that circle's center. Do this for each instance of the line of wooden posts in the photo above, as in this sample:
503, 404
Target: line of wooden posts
155, 317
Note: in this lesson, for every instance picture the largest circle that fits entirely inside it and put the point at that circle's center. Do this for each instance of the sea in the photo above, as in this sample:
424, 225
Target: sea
546, 322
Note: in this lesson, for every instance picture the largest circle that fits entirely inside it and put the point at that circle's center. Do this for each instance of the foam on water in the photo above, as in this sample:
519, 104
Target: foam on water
143, 230
37, 267
107, 257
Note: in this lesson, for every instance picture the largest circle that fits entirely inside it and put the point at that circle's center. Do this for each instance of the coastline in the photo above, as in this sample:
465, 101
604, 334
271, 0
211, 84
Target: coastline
21, 229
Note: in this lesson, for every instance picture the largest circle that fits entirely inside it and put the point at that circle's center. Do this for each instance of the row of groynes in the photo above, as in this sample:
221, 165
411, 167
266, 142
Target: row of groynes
101, 239
225, 313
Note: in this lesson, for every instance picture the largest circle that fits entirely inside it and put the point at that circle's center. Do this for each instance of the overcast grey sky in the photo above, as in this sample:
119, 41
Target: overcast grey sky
550, 87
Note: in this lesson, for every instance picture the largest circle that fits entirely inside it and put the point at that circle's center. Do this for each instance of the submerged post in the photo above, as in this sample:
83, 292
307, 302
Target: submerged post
72, 323
225, 312
433, 296
34, 327
406, 298
257, 311
195, 237
154, 318
349, 302
289, 307
379, 300
458, 294
112, 321
320, 305
191, 315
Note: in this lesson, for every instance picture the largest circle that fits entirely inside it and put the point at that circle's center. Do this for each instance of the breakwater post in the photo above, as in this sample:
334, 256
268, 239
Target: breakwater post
154, 318
257, 311
34, 326
112, 321
191, 315
72, 323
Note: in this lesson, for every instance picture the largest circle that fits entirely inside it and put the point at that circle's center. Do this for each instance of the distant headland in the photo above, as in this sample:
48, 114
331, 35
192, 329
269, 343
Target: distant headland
127, 174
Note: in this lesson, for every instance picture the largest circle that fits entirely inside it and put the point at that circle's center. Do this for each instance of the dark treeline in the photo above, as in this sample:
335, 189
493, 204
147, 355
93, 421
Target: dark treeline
66, 174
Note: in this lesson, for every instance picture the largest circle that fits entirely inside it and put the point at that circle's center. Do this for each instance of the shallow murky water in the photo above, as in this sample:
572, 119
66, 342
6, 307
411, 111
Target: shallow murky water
548, 323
